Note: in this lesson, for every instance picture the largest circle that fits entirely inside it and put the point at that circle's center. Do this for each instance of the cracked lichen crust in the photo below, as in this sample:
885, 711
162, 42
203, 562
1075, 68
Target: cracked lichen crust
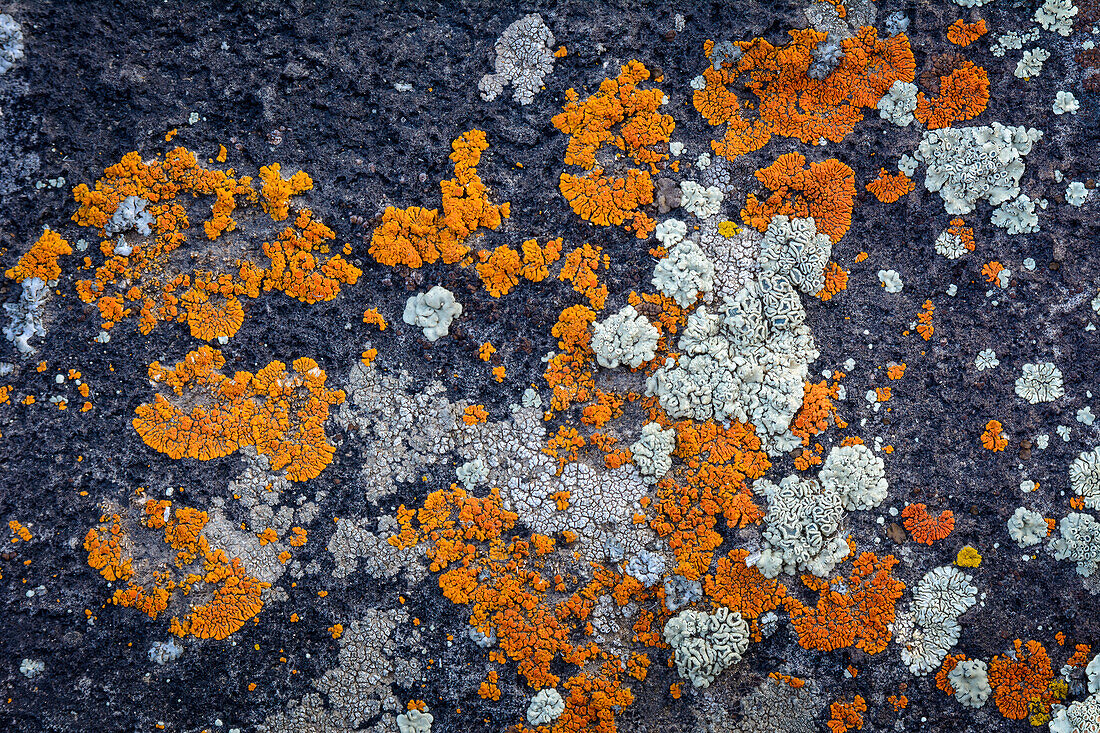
523, 59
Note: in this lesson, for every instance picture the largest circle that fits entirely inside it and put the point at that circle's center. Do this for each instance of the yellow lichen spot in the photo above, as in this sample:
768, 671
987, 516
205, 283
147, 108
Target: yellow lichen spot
728, 229
968, 557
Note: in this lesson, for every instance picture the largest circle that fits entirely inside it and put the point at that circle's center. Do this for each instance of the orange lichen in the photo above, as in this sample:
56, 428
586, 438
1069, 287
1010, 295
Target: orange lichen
836, 280
485, 351
1021, 681
899, 703
537, 260
924, 320
926, 528
963, 95
608, 199
949, 663
19, 532
991, 270
474, 414
825, 191
855, 610
743, 588
489, 689
276, 192
993, 438
415, 236
964, 233
845, 716
499, 270
372, 317
790, 102
41, 259
817, 407
234, 596
153, 283
895, 371
581, 267
963, 34
889, 188
281, 413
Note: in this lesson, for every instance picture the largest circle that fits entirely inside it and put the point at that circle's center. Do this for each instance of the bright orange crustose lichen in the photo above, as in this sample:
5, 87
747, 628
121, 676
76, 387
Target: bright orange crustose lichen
628, 118
281, 413
963, 95
991, 270
845, 716
19, 532
924, 320
964, 233
792, 104
276, 192
825, 191
889, 188
372, 317
41, 259
415, 236
836, 280
499, 270
1021, 681
233, 596
993, 438
963, 34
149, 281
924, 527
895, 371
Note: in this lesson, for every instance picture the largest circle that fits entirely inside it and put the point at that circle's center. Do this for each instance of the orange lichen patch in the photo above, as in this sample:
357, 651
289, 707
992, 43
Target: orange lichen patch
993, 438
621, 115
374, 318
836, 280
963, 95
581, 267
499, 270
19, 532
926, 528
825, 191
337, 630
964, 233
889, 188
474, 414
899, 703
883, 394
485, 351
295, 268
415, 236
845, 716
793, 682
991, 270
792, 104
1021, 681
537, 260
895, 371
282, 414
963, 34
489, 689
564, 445
568, 374
743, 588
498, 374
855, 610
817, 406
718, 463
924, 320
611, 201
236, 600
234, 595
41, 259
949, 663
209, 301
276, 192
